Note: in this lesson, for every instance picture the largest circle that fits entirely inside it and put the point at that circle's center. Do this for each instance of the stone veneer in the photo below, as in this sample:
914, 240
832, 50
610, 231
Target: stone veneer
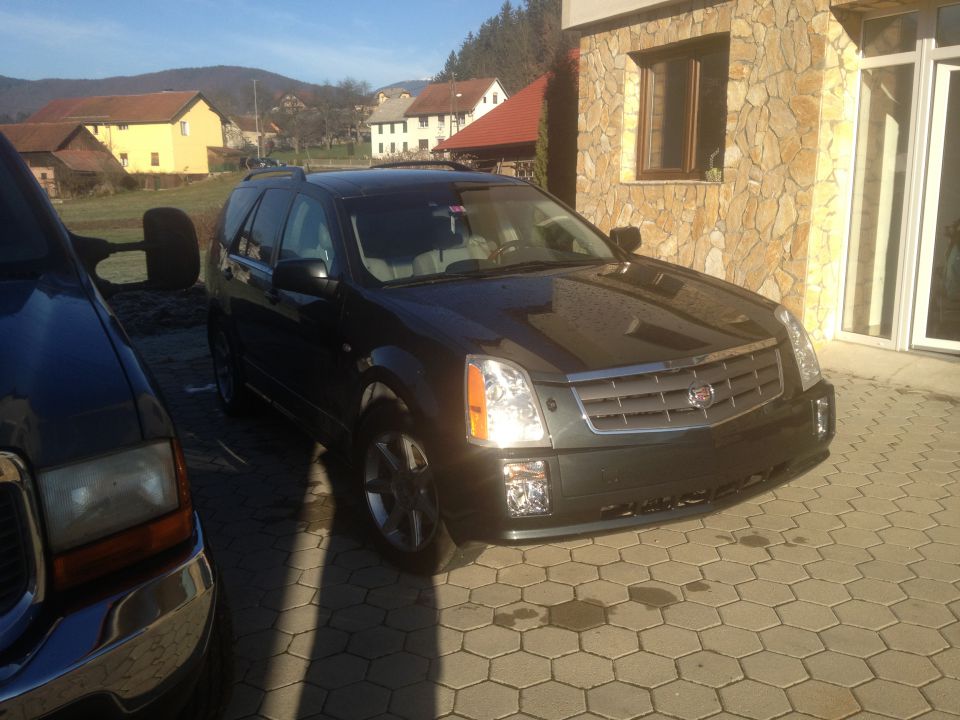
776, 222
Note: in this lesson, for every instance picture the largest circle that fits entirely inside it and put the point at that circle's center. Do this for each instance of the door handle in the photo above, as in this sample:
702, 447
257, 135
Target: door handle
272, 295
227, 273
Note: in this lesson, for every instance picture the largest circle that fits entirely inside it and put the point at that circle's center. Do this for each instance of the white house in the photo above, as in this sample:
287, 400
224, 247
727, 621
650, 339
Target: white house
439, 111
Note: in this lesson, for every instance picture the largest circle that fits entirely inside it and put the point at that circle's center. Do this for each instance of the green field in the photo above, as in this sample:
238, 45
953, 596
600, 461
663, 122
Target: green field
118, 218
361, 153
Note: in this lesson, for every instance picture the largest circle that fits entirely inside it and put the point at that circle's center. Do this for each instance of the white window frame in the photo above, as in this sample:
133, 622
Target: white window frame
185, 128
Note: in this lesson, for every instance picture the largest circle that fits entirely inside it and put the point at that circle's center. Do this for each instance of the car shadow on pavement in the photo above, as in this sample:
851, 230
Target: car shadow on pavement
323, 625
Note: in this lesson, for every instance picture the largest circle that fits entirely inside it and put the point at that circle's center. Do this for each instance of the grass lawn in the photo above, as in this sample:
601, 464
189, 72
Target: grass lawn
322, 152
118, 218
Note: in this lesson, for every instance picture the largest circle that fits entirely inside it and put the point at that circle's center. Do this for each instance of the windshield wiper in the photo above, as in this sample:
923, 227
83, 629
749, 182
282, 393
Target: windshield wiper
547, 264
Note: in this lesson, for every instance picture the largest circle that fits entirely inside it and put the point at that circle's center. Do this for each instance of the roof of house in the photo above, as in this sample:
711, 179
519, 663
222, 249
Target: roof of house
147, 108
393, 91
95, 161
436, 99
513, 122
248, 123
392, 110
33, 137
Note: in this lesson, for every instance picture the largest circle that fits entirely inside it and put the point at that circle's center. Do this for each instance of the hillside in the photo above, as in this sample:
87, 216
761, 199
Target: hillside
230, 88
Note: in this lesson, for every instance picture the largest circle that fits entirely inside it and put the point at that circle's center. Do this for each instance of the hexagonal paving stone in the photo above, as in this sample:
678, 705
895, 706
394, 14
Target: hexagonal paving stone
691, 615
764, 592
300, 700
491, 641
595, 554
495, 595
552, 701
713, 592
891, 699
752, 699
319, 643
791, 641
520, 669
546, 555
808, 616
550, 642
459, 670
500, 557
860, 613
602, 592
709, 668
913, 639
583, 670
548, 593
619, 701
669, 641
357, 702
572, 573
923, 612
609, 641
376, 642
823, 700
675, 573
522, 575
686, 700
396, 671
838, 669
423, 701
577, 615
634, 616
749, 616
337, 671
434, 642
521, 616
624, 573
645, 669
467, 616
904, 668
730, 641
943, 694
486, 701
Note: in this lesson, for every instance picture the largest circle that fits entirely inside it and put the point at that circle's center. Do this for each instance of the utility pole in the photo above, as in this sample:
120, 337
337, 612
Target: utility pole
256, 116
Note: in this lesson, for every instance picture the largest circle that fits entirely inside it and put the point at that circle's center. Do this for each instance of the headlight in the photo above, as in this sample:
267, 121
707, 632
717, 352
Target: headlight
803, 350
501, 407
110, 511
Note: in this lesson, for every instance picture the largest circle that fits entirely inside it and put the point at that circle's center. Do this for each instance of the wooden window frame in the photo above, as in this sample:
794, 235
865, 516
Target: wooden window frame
692, 51
154, 159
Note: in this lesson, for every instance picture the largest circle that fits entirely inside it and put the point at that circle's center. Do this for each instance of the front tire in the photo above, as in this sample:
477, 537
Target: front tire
400, 493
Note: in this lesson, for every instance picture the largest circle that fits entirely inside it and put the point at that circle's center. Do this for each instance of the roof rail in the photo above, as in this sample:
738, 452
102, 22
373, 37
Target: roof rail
296, 173
425, 163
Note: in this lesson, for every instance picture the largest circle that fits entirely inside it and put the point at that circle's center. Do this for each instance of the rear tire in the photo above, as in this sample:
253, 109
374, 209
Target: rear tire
232, 393
400, 494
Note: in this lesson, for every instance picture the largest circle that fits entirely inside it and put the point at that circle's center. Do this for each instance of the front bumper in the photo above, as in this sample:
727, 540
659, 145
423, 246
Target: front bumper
603, 484
134, 654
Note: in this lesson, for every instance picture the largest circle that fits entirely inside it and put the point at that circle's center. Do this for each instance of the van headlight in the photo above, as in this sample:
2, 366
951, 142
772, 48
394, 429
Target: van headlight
502, 409
803, 351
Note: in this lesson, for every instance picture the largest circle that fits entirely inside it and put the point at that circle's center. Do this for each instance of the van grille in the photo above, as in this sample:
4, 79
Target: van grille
14, 549
661, 400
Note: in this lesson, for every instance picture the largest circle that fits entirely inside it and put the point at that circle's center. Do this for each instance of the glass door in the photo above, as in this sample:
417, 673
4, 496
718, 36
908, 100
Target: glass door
937, 311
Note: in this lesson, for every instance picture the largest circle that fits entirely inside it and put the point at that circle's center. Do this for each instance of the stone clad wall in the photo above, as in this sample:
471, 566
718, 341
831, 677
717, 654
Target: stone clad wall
788, 129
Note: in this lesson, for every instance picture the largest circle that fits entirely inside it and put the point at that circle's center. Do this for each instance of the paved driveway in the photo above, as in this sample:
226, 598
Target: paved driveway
838, 594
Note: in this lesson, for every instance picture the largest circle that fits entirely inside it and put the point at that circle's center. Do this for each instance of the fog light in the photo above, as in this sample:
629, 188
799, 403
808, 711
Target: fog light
527, 487
821, 407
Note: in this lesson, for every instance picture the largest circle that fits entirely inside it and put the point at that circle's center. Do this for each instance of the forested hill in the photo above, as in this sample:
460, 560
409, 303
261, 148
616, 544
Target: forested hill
228, 87
517, 45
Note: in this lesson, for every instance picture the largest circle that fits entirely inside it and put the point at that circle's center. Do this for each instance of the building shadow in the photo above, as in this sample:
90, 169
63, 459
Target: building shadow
323, 624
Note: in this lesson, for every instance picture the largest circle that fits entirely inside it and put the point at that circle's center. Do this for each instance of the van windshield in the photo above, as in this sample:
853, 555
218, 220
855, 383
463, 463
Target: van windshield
469, 229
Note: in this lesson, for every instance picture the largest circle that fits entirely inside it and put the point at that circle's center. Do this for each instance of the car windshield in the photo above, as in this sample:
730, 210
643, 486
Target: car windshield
22, 239
458, 229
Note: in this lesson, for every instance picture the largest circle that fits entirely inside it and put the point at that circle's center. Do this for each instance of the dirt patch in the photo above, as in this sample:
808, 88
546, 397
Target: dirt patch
153, 313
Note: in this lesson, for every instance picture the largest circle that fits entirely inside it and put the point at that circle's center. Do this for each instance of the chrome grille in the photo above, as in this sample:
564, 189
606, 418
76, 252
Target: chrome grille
14, 552
660, 399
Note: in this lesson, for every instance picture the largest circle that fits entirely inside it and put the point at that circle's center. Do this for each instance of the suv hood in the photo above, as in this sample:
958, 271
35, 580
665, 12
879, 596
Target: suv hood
63, 392
563, 321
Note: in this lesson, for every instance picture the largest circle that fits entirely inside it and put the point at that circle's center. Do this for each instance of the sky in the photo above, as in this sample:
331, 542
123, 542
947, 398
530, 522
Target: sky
379, 41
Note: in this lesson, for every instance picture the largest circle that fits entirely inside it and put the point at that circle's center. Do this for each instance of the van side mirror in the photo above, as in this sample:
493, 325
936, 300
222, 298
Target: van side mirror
304, 275
626, 238
169, 246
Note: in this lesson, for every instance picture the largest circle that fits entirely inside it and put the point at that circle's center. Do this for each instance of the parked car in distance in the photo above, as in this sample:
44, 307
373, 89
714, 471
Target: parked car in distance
498, 369
253, 163
110, 605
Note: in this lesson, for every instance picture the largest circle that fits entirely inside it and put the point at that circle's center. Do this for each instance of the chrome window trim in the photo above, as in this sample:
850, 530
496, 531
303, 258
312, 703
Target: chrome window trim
613, 373
675, 365
14, 471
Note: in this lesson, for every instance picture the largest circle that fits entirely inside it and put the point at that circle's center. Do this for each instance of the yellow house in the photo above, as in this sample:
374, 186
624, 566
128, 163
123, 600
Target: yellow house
164, 132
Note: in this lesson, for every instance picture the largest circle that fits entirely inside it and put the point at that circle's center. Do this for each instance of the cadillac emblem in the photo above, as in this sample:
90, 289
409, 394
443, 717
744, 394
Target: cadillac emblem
701, 396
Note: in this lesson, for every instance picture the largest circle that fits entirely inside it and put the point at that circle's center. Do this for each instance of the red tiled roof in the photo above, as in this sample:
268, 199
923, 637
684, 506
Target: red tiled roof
47, 137
515, 121
248, 123
146, 108
435, 99
93, 161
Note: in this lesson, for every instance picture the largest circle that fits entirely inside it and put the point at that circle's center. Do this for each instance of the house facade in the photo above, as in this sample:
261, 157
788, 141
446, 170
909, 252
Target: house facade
165, 132
793, 147
439, 111
65, 158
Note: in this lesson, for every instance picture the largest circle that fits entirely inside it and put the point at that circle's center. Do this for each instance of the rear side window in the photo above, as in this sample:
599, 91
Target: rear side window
257, 239
237, 208
307, 234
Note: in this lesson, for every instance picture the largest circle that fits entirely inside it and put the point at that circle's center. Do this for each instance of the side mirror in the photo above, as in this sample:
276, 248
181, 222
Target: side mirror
307, 276
626, 238
169, 246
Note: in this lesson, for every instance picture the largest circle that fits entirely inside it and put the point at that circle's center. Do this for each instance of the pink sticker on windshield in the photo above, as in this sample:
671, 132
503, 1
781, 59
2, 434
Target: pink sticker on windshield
458, 210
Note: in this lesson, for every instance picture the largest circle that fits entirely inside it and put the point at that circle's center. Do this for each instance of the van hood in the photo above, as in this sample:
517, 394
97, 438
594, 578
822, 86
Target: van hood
63, 393
558, 322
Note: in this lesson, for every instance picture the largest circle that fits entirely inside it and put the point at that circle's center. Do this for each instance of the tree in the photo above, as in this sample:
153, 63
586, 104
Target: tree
561, 109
